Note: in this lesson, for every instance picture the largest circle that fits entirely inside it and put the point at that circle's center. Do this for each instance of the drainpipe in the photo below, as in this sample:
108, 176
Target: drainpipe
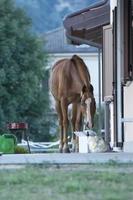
114, 132
120, 47
99, 99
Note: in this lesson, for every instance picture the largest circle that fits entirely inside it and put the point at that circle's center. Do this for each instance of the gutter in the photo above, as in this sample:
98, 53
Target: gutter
82, 41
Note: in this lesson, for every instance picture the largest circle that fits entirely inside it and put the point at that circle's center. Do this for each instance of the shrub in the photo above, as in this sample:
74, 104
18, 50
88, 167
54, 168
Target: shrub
20, 150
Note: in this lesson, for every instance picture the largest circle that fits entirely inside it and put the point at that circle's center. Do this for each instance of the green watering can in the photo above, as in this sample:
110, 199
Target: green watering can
8, 143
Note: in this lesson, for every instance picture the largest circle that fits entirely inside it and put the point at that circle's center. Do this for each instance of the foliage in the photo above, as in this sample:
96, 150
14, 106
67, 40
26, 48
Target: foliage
23, 97
20, 150
93, 182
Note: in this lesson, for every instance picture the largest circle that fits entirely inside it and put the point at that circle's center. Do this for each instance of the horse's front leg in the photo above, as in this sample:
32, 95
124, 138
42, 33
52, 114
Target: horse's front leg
78, 125
64, 107
60, 117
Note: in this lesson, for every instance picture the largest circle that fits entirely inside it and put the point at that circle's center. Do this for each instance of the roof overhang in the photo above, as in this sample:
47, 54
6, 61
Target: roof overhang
86, 26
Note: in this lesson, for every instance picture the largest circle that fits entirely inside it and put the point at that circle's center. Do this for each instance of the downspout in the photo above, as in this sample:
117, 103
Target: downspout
99, 79
115, 76
120, 48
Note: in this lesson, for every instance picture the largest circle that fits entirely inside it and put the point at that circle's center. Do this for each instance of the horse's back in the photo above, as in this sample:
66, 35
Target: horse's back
65, 80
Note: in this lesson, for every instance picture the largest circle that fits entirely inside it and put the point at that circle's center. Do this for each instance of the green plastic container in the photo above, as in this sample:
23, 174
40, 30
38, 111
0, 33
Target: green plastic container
8, 143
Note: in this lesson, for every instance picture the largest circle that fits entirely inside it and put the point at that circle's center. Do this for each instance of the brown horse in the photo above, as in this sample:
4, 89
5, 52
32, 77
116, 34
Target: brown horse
70, 84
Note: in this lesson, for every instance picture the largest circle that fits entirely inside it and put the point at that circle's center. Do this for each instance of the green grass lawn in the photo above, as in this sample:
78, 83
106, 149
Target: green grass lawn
68, 182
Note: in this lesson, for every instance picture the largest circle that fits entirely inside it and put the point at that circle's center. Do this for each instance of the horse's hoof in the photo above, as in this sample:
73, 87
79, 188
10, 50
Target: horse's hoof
77, 150
60, 150
73, 149
66, 150
74, 146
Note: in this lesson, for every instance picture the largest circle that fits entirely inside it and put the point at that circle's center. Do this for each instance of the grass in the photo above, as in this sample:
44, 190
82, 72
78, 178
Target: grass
69, 182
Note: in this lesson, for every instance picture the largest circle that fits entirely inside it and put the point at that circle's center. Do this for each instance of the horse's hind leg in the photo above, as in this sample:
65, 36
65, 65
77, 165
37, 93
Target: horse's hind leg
59, 111
64, 107
73, 122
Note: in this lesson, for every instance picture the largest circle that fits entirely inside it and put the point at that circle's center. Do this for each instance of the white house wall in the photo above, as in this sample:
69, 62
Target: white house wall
128, 113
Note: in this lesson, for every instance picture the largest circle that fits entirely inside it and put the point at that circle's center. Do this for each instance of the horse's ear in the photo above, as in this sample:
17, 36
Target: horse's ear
83, 91
76, 57
91, 88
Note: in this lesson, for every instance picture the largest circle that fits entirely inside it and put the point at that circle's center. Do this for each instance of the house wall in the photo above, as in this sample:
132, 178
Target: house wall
91, 60
113, 3
128, 114
107, 61
128, 91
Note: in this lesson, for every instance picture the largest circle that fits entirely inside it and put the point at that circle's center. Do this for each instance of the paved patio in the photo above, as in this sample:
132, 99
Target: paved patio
73, 158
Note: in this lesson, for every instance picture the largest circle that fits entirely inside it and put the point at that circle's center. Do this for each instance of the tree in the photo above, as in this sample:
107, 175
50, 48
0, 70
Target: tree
22, 69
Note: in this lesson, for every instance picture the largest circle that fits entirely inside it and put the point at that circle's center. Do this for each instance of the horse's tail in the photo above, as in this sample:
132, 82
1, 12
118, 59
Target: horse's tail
82, 70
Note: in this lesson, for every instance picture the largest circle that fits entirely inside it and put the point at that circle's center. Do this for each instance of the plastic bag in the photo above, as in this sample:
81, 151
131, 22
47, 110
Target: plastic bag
97, 144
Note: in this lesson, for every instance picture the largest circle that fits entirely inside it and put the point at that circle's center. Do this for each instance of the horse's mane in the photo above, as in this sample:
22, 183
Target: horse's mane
82, 70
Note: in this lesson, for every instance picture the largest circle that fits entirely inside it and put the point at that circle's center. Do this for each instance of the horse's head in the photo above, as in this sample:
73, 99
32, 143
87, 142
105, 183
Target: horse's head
88, 106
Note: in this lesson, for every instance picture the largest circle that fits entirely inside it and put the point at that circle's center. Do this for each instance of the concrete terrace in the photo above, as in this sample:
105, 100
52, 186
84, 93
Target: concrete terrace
72, 158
